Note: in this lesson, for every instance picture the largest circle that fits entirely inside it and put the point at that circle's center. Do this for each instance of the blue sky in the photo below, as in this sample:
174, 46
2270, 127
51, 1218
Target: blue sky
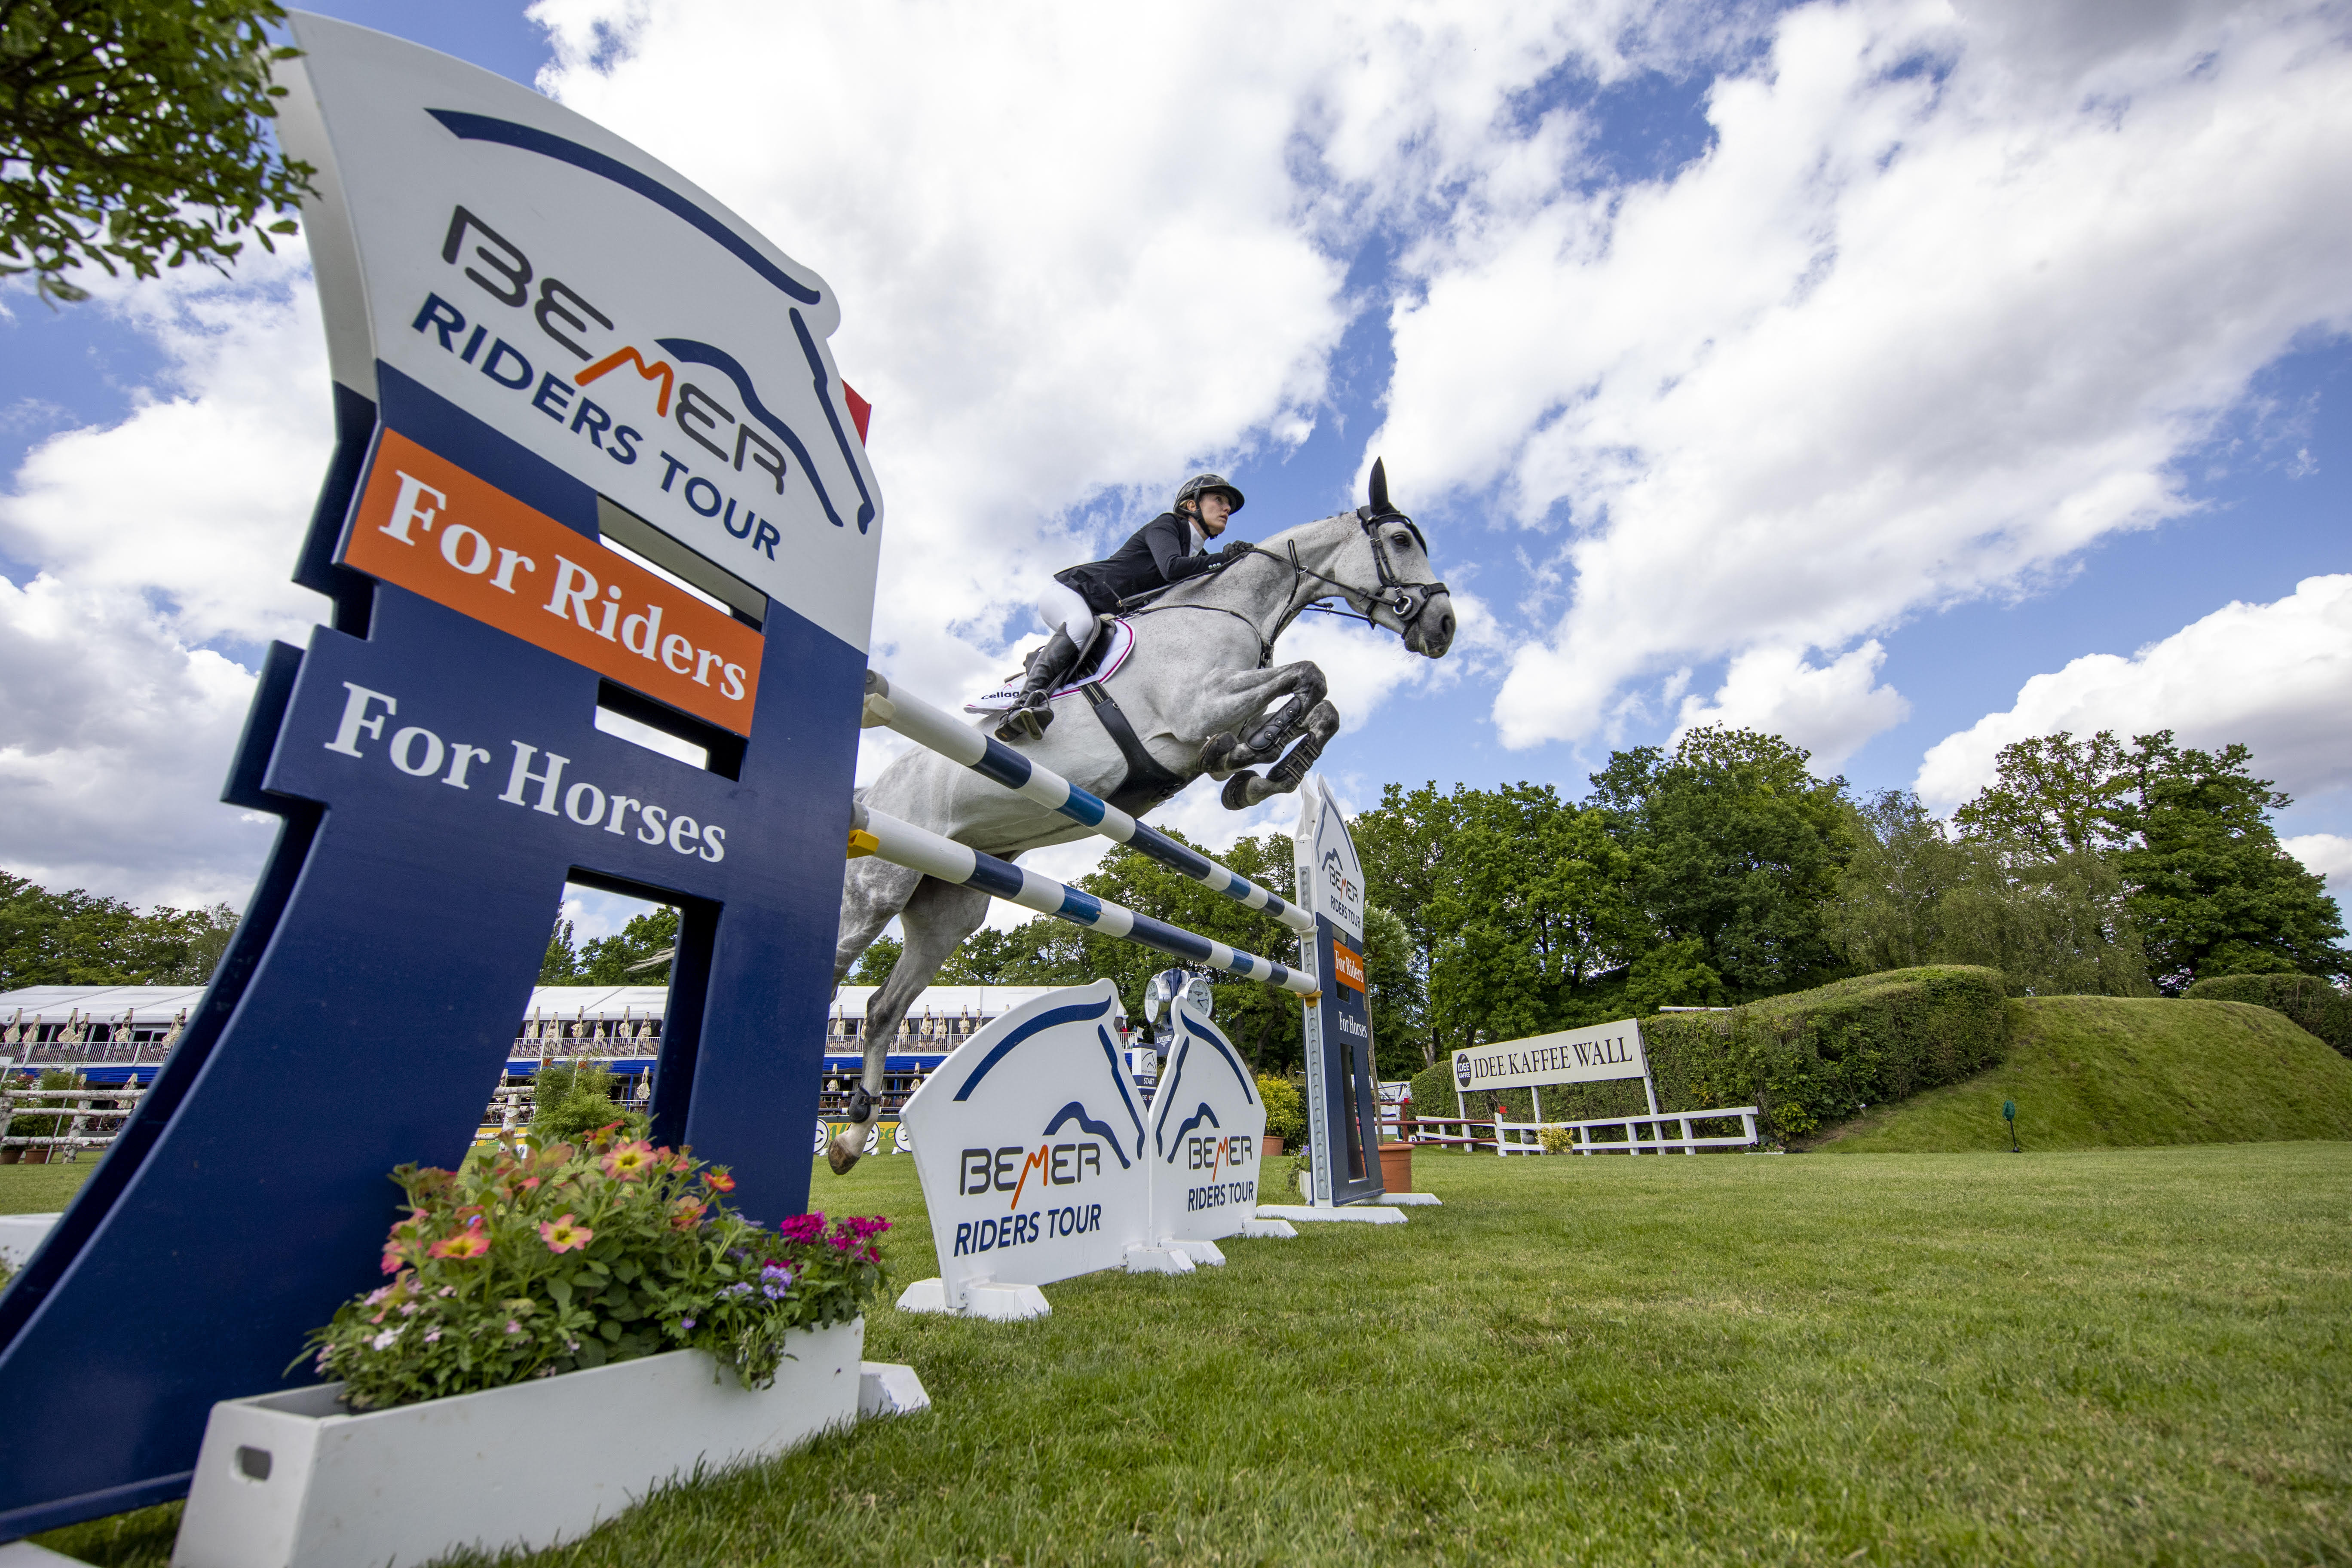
1902, 380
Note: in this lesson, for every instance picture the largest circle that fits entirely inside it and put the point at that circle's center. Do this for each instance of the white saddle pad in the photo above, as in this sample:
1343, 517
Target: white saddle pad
1122, 643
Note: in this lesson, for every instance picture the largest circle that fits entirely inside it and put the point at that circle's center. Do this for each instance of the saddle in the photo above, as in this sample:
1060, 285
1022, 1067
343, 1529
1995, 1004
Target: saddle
1147, 783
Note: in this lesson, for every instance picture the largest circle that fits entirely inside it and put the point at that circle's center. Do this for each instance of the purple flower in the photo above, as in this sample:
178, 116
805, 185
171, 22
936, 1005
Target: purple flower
773, 1292
686, 1325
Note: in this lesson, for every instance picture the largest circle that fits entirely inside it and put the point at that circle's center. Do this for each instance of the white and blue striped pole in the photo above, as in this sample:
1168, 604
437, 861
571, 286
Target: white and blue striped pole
938, 730
919, 850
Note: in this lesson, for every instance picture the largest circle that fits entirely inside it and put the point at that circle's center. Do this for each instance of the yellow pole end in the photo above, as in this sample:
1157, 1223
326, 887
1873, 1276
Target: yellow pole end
861, 843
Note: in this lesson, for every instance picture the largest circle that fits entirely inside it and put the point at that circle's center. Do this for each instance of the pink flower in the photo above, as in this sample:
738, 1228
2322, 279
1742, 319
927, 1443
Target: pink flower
563, 1235
630, 1161
513, 1326
467, 1244
801, 1228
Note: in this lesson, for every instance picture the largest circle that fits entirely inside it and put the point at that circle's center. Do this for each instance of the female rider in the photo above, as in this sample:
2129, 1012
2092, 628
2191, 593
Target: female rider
1169, 549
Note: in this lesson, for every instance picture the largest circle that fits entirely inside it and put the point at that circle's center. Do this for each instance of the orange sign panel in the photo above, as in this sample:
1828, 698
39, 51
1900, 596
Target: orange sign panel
1346, 967
433, 528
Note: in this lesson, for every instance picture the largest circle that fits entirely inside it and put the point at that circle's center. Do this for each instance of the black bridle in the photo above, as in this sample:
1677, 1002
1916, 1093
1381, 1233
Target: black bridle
1408, 601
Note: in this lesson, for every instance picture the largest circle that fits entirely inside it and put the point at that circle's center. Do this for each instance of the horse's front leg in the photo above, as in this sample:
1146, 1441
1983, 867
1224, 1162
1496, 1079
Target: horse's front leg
1244, 790
1246, 744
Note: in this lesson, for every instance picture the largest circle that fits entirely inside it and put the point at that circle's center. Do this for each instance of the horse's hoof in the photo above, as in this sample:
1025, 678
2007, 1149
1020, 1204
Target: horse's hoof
1236, 795
841, 1159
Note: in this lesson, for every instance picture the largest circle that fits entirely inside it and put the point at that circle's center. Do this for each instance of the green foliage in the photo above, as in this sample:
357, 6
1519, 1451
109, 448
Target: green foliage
2315, 1005
1399, 1006
1285, 1109
77, 939
987, 957
133, 133
2090, 1072
1535, 903
1736, 844
874, 965
1914, 894
519, 1266
630, 958
561, 965
2213, 891
571, 1099
636, 957
2210, 890
46, 1124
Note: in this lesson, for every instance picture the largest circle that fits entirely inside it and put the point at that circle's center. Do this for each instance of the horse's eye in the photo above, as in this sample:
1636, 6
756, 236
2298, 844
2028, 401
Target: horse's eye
1400, 540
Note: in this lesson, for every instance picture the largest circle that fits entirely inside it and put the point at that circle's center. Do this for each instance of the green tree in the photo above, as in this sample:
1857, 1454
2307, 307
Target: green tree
1402, 842
561, 965
79, 939
629, 958
134, 132
2212, 890
1396, 998
1535, 905
1913, 893
874, 965
2054, 795
1736, 844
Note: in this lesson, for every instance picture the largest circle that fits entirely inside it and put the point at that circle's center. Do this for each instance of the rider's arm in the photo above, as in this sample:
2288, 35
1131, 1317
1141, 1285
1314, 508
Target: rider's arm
1168, 536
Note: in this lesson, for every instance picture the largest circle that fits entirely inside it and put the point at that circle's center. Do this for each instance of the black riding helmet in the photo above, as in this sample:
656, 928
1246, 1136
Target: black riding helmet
1199, 485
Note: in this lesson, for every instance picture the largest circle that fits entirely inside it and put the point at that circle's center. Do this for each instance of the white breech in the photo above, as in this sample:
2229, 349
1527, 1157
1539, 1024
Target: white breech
1060, 606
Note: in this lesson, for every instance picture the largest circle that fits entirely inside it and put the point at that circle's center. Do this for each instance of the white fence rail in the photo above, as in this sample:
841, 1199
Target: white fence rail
1526, 1137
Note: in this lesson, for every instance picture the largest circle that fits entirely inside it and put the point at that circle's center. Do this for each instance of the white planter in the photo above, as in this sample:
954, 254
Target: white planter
289, 1481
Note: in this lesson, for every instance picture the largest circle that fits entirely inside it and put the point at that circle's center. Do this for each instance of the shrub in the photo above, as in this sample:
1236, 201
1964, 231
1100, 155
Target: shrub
1285, 1109
525, 1265
2318, 1007
46, 1124
1803, 1059
570, 1099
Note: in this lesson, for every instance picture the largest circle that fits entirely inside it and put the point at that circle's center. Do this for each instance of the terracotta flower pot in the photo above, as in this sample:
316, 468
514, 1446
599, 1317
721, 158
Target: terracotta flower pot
1396, 1167
1269, 1146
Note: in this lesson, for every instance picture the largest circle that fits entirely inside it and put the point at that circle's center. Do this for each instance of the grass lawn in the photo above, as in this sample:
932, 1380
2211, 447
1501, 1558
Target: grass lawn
2136, 1356
2092, 1072
42, 1189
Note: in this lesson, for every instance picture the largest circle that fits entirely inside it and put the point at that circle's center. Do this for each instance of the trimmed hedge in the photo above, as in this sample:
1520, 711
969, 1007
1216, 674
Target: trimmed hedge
1804, 1059
2306, 1000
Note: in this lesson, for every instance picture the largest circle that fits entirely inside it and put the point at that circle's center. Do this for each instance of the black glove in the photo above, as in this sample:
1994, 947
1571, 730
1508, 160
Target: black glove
1236, 548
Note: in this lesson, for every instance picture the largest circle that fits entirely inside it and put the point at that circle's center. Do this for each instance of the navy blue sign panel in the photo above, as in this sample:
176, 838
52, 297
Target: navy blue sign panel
435, 757
1348, 1168
365, 1011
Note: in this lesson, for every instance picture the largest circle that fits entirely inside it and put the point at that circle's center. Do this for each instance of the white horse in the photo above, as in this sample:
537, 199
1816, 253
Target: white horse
1195, 690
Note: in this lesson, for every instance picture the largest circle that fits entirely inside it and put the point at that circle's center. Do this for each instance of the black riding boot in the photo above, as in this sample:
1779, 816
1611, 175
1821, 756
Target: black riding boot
1028, 717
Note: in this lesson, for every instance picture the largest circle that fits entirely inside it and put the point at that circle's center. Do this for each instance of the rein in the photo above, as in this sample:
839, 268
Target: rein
1409, 600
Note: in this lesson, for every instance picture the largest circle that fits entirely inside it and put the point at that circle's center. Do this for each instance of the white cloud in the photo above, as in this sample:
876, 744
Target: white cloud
1830, 710
1082, 250
2274, 676
1934, 314
172, 529
2327, 855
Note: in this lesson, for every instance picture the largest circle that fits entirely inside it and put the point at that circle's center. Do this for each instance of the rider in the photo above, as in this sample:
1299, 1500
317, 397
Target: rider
1169, 549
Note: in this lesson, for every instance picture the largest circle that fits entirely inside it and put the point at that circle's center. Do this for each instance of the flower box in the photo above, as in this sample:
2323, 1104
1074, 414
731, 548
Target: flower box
289, 1480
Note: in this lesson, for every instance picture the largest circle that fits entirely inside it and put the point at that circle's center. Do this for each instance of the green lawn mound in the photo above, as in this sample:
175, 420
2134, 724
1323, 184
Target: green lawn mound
2105, 1072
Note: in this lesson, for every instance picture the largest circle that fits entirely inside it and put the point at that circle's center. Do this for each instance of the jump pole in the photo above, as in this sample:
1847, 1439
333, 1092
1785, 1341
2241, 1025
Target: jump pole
901, 843
935, 730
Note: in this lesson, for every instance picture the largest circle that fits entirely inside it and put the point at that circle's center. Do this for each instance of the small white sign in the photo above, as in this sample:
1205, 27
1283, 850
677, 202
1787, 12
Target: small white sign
1593, 1054
1207, 1124
1329, 878
1031, 1145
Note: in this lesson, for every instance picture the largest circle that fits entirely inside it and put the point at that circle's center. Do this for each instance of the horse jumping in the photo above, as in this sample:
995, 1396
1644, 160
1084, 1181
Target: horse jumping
1196, 693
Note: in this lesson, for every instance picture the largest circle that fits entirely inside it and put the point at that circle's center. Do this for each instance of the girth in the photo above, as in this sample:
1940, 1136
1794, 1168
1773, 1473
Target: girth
1147, 783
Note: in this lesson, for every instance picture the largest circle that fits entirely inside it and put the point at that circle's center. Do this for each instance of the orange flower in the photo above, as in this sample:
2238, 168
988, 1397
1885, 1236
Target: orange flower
630, 1161
563, 1235
686, 1214
718, 1181
464, 1244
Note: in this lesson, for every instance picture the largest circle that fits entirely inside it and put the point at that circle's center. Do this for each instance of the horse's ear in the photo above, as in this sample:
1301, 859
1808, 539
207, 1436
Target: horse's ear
1381, 506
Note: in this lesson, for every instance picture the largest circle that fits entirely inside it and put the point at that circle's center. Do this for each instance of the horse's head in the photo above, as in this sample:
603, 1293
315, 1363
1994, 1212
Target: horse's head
1383, 573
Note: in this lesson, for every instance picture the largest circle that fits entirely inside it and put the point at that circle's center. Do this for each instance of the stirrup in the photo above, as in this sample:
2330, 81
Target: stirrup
1026, 722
